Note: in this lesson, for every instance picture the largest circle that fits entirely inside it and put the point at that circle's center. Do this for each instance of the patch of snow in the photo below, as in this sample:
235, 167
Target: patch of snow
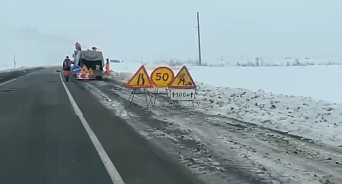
121, 78
108, 102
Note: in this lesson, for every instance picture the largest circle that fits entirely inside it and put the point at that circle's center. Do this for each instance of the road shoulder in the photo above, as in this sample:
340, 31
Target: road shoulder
137, 161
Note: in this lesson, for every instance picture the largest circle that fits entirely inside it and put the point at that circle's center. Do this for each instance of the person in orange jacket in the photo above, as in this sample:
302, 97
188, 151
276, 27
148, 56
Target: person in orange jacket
107, 67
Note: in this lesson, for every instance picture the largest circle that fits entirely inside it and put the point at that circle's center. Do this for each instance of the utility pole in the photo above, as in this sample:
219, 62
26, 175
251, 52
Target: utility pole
199, 40
14, 63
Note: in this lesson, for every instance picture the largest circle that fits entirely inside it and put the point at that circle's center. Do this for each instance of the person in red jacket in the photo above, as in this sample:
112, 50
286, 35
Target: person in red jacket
67, 68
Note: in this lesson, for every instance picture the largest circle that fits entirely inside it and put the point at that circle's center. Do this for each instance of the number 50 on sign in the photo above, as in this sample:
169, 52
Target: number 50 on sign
161, 77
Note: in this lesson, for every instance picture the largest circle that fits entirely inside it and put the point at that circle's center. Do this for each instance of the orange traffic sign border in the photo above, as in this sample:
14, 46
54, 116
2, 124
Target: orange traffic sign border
183, 87
136, 73
163, 67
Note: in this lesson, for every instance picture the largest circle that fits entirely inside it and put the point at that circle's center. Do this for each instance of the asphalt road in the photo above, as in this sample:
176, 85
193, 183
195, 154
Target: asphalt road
8, 75
43, 141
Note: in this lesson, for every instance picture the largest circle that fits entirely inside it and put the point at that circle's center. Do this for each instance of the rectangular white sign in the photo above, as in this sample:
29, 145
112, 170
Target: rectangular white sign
182, 94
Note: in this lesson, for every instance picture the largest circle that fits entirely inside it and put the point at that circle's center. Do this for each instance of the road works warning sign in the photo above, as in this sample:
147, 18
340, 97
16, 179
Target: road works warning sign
140, 79
183, 80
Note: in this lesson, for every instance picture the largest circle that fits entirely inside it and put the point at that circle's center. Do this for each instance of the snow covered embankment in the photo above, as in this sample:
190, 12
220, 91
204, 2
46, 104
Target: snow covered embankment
304, 117
263, 153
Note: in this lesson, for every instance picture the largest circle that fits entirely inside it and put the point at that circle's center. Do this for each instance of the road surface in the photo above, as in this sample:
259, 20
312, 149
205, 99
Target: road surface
45, 141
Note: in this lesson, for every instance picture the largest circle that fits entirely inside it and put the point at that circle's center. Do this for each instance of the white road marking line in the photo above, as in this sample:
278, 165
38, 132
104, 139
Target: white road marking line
112, 171
8, 81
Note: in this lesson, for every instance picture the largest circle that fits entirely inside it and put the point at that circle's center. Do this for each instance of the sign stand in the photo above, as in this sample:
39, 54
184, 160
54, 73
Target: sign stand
182, 88
153, 97
161, 78
156, 93
145, 93
140, 80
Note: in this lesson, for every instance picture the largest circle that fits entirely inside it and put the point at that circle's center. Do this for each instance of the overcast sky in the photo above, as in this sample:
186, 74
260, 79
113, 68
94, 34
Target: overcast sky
163, 29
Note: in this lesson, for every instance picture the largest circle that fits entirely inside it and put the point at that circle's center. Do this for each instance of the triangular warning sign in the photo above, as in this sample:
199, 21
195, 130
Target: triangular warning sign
84, 69
90, 71
140, 79
183, 80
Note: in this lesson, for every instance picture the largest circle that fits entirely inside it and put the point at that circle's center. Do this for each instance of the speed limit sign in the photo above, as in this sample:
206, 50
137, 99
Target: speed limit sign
161, 77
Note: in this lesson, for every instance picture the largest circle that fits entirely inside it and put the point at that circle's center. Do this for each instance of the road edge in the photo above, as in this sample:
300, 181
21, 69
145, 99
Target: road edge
111, 169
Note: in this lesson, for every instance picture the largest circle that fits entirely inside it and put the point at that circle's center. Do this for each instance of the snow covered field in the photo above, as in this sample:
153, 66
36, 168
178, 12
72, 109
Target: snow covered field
294, 100
257, 62
319, 82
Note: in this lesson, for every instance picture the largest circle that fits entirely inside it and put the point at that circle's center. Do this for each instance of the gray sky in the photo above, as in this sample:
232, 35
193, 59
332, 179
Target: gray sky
164, 29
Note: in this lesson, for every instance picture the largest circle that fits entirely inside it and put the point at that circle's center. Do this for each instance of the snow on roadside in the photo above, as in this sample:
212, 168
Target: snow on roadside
301, 116
318, 121
121, 78
234, 146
